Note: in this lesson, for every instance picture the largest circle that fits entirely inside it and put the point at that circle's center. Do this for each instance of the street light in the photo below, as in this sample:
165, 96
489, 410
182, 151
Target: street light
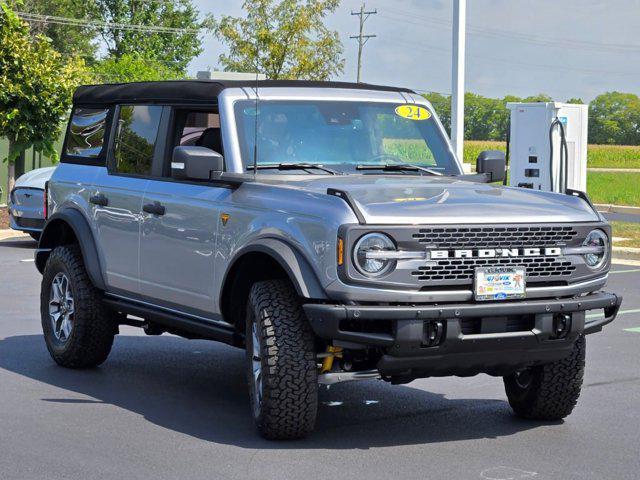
457, 80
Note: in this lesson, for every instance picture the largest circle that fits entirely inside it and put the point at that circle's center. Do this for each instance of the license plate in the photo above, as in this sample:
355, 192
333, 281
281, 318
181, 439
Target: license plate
499, 283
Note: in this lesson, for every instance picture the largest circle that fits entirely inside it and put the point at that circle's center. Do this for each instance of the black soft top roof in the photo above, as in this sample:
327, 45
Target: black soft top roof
194, 91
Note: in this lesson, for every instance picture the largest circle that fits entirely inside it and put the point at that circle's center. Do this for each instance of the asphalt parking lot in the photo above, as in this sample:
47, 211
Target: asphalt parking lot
164, 407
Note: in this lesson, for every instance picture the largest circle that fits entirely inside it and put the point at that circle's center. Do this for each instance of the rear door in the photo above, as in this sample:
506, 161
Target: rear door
179, 240
118, 191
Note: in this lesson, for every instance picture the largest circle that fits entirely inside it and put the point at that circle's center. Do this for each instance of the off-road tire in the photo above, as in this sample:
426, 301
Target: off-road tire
289, 372
93, 330
553, 389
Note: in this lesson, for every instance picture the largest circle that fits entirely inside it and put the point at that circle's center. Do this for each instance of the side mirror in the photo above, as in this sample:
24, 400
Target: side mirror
198, 163
493, 163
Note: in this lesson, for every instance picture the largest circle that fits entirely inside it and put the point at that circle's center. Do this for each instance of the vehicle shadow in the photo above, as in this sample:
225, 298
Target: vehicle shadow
198, 388
20, 242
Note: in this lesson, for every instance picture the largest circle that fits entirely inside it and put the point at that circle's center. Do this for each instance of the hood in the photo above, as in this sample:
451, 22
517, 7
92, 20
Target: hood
35, 178
396, 199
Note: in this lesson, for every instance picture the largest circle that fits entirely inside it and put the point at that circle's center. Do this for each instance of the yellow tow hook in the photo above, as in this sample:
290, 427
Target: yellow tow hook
327, 362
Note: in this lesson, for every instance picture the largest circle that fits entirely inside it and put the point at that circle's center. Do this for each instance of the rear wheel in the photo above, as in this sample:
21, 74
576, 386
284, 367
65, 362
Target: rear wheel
281, 362
78, 329
548, 392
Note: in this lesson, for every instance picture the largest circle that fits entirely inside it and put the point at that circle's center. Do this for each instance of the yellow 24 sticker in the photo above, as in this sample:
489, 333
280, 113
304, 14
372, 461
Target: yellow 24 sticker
413, 112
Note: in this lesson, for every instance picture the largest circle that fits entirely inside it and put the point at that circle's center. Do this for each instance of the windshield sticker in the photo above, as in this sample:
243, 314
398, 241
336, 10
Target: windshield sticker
413, 112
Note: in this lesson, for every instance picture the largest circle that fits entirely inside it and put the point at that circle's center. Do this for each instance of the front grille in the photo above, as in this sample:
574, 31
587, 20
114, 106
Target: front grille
464, 269
487, 325
479, 237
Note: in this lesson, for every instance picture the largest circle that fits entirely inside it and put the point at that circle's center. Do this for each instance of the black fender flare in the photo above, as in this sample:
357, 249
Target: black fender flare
50, 239
296, 266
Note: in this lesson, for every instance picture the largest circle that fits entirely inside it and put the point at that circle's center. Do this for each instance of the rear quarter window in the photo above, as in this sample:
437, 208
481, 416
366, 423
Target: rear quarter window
86, 134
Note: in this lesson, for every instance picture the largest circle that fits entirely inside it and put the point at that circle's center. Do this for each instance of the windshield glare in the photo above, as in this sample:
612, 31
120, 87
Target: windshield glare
341, 135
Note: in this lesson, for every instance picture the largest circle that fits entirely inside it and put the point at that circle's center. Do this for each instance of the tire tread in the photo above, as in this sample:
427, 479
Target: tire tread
290, 396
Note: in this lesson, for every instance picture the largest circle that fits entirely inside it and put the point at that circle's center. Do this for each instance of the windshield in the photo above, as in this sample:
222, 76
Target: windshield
342, 135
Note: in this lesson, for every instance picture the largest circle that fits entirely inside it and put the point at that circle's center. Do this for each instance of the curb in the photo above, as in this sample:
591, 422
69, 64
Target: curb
610, 208
626, 253
613, 170
8, 233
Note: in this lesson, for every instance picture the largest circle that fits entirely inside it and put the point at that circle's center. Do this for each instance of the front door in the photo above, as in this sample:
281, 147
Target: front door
180, 223
178, 245
116, 197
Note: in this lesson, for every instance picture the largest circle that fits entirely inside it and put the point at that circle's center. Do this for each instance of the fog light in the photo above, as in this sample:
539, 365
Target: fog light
433, 333
561, 325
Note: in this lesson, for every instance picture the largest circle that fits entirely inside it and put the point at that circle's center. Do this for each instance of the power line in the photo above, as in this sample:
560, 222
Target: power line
511, 35
513, 63
362, 39
38, 18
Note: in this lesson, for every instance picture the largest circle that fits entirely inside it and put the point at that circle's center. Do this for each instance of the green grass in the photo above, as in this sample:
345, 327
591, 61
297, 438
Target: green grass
472, 149
598, 156
615, 188
628, 230
412, 151
613, 156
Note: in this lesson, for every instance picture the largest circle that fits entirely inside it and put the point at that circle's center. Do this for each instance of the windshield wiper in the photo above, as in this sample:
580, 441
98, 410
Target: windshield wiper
293, 166
397, 167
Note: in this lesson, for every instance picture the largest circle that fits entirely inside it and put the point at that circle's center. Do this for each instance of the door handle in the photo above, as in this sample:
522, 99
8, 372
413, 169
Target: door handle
155, 208
99, 200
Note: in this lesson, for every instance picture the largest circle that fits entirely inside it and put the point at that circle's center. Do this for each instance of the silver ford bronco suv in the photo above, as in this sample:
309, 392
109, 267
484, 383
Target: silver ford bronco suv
326, 228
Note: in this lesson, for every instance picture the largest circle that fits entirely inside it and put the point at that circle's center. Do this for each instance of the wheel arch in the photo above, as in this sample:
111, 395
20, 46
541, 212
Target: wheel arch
68, 226
263, 260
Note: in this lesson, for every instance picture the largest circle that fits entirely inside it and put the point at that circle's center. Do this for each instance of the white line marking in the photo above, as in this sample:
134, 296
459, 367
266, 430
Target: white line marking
506, 473
633, 270
622, 312
27, 260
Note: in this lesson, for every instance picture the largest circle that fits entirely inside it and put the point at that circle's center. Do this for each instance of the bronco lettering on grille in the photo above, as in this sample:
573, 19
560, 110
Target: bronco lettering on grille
496, 253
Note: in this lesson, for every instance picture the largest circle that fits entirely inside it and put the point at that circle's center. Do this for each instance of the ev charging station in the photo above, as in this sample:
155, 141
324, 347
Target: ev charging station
548, 146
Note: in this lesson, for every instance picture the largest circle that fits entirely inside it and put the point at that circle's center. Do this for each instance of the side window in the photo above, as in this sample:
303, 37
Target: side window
86, 132
136, 138
195, 125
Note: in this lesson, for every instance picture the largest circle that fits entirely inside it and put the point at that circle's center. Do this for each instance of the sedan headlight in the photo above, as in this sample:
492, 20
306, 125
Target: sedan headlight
370, 254
597, 244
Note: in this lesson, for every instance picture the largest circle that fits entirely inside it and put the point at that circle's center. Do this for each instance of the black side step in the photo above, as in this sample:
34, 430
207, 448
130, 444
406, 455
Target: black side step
176, 323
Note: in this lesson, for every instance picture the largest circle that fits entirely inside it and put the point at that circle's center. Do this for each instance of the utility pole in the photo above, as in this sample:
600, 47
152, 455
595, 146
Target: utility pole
362, 39
457, 80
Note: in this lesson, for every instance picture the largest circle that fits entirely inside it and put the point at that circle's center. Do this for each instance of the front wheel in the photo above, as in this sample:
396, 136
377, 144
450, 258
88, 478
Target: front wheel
281, 362
550, 391
78, 329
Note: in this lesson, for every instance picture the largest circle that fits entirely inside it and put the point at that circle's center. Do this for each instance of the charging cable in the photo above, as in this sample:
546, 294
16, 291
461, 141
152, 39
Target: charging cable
564, 157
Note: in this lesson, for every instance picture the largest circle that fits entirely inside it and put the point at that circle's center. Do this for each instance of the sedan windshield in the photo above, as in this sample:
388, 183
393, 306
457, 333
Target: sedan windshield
347, 137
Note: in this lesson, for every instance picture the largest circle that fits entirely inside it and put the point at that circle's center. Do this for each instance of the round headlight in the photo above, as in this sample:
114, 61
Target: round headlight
596, 239
369, 254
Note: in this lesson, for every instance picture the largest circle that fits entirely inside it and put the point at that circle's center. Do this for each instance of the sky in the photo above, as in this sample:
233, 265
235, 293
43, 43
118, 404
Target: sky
565, 48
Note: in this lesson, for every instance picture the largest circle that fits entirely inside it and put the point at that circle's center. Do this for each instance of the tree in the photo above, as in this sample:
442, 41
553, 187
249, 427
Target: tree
483, 118
578, 101
541, 97
614, 117
70, 41
36, 84
442, 105
283, 39
175, 49
133, 68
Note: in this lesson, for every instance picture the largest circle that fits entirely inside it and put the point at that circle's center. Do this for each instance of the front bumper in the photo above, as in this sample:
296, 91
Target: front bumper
491, 350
